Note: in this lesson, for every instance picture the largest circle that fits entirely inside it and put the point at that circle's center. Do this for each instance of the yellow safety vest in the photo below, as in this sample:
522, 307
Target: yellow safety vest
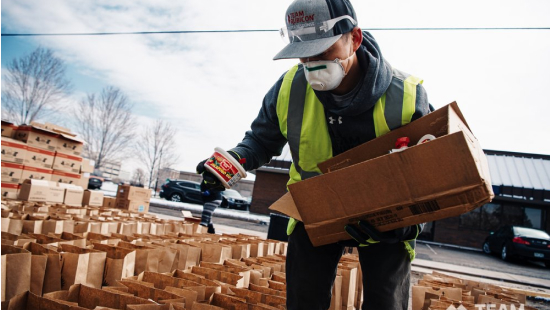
302, 120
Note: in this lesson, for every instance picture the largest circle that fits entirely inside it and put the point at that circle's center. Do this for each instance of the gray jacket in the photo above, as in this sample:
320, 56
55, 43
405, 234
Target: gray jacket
354, 124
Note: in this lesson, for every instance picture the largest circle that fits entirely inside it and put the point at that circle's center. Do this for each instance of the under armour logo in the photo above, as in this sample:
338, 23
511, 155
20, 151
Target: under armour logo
461, 307
331, 120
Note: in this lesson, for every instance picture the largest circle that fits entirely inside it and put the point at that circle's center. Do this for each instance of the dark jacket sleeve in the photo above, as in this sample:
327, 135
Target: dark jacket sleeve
422, 104
264, 139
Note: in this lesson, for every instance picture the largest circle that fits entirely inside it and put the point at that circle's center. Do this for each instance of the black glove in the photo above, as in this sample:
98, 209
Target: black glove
209, 181
210, 184
364, 233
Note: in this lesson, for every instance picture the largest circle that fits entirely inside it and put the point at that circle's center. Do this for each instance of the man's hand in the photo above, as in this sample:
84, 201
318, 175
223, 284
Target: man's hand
209, 181
364, 233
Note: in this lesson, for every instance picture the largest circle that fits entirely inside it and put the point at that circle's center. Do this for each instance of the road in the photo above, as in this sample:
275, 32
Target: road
481, 260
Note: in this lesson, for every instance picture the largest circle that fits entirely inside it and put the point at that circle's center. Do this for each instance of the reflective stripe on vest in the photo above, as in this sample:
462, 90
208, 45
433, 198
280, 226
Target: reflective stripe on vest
307, 133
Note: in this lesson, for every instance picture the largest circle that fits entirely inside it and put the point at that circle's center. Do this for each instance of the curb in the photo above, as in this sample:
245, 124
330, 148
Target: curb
446, 245
219, 212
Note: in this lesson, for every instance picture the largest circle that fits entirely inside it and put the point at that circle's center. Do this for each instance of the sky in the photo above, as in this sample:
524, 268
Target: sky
210, 86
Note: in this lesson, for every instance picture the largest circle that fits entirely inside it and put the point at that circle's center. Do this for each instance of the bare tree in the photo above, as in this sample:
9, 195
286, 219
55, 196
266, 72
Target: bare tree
139, 177
106, 123
156, 148
33, 86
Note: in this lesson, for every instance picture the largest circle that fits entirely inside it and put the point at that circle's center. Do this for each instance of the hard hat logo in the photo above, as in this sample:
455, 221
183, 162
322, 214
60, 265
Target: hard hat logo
299, 17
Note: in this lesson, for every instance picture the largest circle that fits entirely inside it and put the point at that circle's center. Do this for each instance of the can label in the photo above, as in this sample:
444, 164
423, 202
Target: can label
223, 167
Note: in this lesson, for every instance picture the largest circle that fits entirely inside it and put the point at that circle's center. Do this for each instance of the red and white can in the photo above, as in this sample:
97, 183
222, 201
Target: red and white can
225, 167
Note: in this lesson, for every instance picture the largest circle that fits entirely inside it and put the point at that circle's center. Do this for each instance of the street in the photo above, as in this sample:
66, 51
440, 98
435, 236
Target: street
480, 260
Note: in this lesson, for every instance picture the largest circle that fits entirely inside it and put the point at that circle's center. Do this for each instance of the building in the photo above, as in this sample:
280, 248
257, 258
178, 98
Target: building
110, 170
521, 183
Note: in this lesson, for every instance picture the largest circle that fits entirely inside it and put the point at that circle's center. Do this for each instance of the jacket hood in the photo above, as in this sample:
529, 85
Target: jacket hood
376, 80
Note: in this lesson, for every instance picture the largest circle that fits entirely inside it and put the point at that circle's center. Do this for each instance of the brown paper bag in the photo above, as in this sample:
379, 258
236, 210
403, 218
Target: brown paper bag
90, 298
188, 255
349, 282
120, 263
18, 240
419, 292
222, 276
52, 273
213, 252
16, 271
161, 259
12, 226
38, 271
81, 266
52, 226
142, 252
336, 301
32, 226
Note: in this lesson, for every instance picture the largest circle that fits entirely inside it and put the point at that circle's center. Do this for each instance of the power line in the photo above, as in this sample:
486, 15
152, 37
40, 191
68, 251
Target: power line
257, 30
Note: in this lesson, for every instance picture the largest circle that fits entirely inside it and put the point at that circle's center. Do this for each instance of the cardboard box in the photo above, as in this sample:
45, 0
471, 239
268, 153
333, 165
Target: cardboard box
109, 202
133, 205
84, 180
65, 177
37, 137
92, 198
69, 144
442, 178
73, 194
67, 163
56, 193
38, 158
10, 190
8, 129
86, 166
36, 173
34, 190
13, 150
133, 193
11, 172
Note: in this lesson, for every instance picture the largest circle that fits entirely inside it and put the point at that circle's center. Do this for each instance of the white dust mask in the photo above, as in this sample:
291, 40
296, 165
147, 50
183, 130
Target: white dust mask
324, 75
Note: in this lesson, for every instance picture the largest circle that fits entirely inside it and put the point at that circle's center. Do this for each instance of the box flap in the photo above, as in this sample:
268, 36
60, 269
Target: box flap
40, 127
286, 206
6, 122
70, 137
436, 123
454, 105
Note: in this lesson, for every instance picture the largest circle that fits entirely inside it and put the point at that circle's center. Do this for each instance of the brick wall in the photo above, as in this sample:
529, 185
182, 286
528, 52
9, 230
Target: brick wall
268, 187
448, 231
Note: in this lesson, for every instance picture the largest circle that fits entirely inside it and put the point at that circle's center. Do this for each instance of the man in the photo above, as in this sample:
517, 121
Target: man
342, 94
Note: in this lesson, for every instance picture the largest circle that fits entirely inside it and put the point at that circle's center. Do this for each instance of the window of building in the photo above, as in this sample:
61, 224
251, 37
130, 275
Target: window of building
471, 219
513, 215
533, 218
491, 216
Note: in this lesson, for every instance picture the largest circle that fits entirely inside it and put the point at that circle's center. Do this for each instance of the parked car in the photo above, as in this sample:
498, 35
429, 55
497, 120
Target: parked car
519, 242
95, 182
233, 200
181, 191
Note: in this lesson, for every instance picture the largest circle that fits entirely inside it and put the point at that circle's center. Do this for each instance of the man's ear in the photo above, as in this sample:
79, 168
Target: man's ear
356, 37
